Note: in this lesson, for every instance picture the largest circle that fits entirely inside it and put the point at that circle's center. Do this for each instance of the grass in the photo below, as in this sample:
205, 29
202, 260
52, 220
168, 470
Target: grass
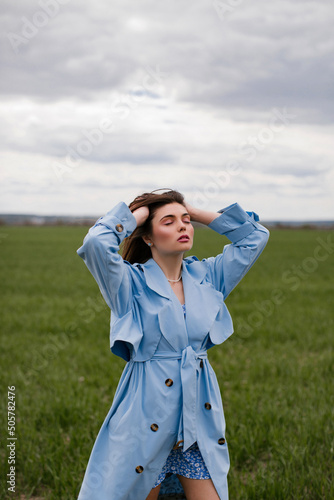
275, 372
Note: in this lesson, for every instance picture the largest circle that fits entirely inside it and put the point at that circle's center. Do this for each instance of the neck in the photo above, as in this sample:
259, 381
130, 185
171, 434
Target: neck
170, 264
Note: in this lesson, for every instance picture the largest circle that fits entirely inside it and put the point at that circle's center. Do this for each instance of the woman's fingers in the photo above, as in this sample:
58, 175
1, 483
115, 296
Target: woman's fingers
141, 215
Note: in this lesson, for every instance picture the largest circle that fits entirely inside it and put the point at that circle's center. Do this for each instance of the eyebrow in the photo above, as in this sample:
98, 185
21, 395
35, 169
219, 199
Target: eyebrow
171, 215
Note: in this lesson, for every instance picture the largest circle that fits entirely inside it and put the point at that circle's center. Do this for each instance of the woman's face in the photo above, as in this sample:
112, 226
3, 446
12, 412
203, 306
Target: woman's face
172, 231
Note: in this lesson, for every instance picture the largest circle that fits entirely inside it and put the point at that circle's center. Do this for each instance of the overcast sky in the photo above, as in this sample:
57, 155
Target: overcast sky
224, 101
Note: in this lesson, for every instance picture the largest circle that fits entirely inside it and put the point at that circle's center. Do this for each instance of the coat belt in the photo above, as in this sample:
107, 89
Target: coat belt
188, 430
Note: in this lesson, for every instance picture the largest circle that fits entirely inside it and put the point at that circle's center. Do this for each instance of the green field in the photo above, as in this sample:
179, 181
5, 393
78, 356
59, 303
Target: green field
275, 372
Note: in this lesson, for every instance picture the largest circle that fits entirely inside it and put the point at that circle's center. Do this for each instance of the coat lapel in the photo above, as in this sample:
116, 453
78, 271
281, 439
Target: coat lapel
203, 303
170, 313
156, 279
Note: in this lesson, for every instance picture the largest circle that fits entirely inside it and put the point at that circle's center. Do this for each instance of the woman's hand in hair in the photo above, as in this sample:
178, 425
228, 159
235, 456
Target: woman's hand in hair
199, 215
191, 211
141, 215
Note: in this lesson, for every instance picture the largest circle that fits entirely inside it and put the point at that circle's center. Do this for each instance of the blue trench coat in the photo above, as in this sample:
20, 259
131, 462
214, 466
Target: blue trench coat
160, 399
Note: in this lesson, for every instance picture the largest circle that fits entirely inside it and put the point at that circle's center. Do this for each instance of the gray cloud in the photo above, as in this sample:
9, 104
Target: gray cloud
261, 55
68, 65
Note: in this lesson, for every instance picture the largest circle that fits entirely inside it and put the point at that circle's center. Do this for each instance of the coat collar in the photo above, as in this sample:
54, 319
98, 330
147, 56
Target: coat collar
203, 301
155, 278
157, 281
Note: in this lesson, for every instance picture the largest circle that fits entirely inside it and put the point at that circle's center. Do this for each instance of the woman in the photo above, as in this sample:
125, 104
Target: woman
166, 419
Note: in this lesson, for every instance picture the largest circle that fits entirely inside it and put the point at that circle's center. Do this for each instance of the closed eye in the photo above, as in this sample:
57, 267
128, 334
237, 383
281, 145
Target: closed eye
185, 221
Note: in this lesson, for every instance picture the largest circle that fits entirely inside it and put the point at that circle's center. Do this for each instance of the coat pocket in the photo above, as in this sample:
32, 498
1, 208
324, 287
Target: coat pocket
125, 335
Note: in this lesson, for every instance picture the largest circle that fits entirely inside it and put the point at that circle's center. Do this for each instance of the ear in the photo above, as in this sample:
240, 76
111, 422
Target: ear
146, 239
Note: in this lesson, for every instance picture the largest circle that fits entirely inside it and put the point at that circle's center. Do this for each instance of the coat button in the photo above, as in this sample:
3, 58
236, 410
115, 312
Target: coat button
154, 427
207, 406
178, 445
169, 382
119, 228
221, 441
139, 469
201, 364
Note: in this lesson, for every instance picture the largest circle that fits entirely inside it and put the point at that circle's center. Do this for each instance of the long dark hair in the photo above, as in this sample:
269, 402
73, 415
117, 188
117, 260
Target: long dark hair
134, 249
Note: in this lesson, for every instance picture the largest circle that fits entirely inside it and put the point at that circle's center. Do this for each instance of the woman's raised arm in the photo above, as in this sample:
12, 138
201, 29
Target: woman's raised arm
248, 239
100, 254
202, 216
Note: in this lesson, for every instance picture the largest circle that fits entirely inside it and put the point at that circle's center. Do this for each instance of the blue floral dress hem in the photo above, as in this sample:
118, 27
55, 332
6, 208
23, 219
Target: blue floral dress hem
188, 464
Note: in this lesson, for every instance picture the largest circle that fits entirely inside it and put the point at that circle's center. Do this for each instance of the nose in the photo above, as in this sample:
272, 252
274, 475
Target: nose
182, 225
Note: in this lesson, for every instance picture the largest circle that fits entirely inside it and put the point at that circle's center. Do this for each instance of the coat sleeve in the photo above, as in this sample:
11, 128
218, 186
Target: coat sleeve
100, 254
248, 239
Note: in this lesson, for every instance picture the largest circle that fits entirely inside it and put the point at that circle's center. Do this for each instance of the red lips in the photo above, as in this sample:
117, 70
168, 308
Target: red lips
184, 237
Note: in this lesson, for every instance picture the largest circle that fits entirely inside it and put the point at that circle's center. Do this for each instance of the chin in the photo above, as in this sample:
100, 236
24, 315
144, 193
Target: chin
187, 246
